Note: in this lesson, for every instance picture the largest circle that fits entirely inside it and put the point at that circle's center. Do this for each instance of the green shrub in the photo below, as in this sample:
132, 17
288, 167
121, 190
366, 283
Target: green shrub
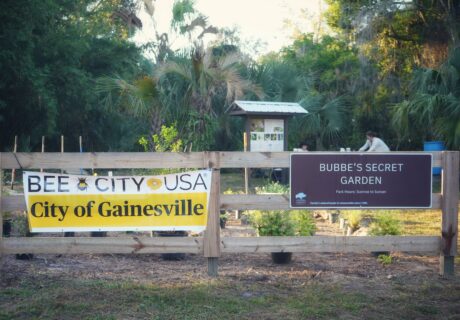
385, 224
283, 223
273, 223
167, 140
304, 222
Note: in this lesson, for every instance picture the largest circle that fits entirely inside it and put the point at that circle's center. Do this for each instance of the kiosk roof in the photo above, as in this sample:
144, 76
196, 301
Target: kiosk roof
240, 107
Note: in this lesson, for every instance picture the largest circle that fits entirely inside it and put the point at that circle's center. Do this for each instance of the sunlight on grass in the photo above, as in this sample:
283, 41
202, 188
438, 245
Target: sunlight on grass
420, 222
120, 300
413, 222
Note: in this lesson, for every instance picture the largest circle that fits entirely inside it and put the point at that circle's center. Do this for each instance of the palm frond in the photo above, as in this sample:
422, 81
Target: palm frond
401, 119
138, 99
174, 68
326, 117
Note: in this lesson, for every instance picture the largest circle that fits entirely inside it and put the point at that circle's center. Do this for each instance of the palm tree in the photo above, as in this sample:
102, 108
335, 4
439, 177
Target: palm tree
140, 98
281, 81
206, 84
325, 121
433, 107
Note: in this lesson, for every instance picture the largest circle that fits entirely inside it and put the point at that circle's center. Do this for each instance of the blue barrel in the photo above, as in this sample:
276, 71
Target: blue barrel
434, 146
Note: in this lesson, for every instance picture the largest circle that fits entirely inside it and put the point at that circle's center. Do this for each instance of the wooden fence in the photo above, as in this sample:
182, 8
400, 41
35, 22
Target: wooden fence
211, 245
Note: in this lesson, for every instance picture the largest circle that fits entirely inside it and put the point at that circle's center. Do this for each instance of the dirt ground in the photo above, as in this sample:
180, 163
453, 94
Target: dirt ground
256, 267
410, 285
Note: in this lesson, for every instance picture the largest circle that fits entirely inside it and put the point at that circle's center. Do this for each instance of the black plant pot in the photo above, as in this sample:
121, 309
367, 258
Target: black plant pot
6, 228
172, 256
281, 257
24, 256
98, 234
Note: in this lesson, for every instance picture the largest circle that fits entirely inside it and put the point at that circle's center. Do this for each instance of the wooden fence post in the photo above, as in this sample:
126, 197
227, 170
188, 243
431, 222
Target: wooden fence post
43, 148
13, 171
211, 243
449, 205
246, 169
62, 148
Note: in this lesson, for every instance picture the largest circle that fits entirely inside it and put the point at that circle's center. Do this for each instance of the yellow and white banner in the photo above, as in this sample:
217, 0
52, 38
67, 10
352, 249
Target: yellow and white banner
59, 202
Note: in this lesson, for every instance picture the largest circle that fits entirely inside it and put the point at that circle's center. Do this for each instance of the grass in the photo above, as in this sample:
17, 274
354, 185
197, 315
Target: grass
98, 299
415, 222
420, 222
423, 222
120, 300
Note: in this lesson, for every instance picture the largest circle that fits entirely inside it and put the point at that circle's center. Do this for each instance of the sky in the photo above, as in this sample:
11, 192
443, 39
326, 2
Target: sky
264, 20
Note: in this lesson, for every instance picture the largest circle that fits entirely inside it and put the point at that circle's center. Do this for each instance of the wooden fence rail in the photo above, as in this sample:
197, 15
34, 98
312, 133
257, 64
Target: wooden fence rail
211, 245
429, 245
153, 160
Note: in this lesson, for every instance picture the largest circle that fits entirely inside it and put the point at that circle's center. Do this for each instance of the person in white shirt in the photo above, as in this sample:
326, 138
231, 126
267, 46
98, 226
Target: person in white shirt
303, 147
374, 144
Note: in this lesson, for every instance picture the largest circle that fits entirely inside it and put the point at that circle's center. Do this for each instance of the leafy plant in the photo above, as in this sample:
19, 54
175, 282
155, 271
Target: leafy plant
281, 222
304, 222
273, 223
385, 259
385, 224
166, 140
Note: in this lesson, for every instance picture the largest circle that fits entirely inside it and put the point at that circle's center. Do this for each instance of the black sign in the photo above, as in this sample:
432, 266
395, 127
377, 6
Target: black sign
357, 180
